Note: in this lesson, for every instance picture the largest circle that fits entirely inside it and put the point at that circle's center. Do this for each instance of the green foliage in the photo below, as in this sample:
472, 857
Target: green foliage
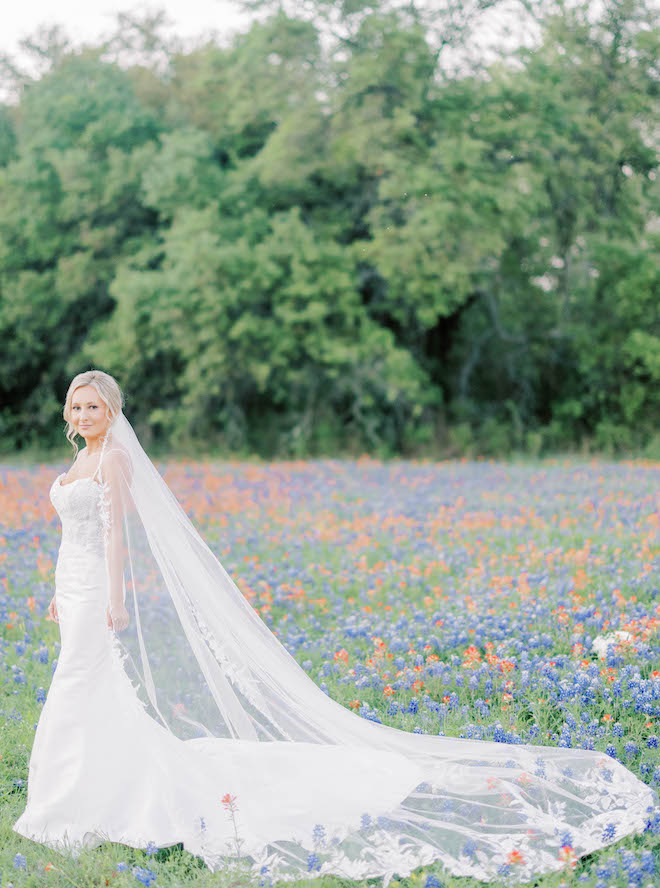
294, 245
7, 137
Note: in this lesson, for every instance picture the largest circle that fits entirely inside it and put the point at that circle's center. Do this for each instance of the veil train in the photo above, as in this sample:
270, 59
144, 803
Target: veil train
209, 671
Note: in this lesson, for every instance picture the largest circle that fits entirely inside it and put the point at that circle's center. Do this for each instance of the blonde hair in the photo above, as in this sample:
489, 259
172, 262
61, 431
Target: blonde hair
108, 391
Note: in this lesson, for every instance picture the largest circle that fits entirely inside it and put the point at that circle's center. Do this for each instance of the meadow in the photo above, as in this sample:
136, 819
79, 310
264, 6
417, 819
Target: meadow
461, 598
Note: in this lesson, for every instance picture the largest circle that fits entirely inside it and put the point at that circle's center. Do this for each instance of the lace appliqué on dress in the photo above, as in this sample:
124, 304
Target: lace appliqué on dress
104, 512
118, 656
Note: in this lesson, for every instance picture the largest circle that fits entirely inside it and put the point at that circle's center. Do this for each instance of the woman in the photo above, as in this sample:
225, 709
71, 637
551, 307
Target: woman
148, 738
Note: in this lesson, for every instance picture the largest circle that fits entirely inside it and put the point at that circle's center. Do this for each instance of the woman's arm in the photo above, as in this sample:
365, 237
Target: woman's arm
115, 473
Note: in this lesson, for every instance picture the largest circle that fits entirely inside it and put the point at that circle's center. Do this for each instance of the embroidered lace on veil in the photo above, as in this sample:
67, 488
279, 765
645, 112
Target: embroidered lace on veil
204, 665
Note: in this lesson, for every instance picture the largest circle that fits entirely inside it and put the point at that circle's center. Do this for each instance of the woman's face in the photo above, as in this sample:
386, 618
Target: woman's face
88, 413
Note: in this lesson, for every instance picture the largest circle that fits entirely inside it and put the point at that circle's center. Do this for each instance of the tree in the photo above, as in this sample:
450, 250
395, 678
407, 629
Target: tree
71, 206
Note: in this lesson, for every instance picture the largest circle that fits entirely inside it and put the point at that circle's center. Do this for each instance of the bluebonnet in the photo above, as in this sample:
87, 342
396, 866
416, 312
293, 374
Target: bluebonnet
433, 882
648, 862
313, 862
151, 849
20, 862
121, 867
565, 739
566, 838
609, 832
653, 824
19, 676
652, 742
41, 695
631, 749
144, 875
319, 834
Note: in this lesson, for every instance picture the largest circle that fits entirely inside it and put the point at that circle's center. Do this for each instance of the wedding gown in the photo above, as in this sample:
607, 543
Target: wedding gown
102, 769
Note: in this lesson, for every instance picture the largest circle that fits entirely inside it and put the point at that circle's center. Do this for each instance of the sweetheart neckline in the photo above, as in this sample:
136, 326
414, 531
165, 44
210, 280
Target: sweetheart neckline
87, 478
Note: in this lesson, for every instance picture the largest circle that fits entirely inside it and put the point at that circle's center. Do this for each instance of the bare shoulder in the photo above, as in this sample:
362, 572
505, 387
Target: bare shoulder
117, 461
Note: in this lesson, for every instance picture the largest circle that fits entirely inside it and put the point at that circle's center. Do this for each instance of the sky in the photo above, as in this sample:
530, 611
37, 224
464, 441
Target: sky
86, 20
191, 20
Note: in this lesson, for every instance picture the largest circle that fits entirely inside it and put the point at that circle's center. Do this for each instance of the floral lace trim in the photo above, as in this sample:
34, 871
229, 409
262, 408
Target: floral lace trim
118, 656
245, 684
104, 512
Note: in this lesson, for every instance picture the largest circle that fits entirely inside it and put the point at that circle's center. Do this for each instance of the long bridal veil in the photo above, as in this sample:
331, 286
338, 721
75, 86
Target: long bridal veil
207, 669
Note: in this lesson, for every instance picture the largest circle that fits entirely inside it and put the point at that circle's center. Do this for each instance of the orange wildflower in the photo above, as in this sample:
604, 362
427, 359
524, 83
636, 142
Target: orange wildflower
567, 855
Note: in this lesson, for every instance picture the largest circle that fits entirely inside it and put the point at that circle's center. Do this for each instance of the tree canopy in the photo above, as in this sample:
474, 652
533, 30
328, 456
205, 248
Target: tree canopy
325, 238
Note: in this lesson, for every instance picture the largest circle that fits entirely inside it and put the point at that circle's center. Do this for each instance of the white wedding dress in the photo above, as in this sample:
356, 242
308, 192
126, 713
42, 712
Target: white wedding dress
102, 769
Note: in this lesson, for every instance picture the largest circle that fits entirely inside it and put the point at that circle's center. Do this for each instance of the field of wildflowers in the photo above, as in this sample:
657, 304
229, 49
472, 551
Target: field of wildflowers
462, 598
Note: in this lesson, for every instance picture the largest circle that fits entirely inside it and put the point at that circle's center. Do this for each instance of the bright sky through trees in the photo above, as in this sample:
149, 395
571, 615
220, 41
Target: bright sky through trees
87, 20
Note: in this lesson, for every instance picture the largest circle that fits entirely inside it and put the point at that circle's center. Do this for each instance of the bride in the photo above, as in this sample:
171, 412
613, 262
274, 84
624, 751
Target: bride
173, 702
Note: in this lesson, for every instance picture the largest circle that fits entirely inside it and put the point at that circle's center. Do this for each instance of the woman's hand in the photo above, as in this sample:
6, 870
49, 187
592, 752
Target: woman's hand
52, 610
118, 619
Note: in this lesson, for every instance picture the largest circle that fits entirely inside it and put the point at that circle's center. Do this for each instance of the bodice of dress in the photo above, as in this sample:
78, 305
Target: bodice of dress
80, 505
